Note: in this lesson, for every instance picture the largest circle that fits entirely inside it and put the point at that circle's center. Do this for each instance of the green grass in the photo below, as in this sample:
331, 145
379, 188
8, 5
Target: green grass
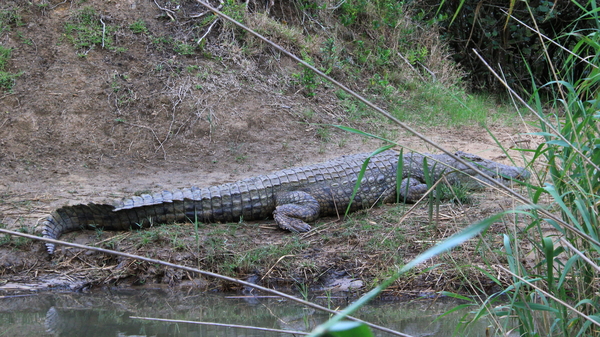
183, 48
86, 30
167, 43
9, 17
15, 242
7, 79
457, 194
122, 95
431, 104
139, 27
216, 246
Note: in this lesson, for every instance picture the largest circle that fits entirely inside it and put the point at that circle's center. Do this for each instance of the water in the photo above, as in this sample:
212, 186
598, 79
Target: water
107, 313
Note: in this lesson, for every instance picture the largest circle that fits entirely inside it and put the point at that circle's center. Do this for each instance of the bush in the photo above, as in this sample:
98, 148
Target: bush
507, 44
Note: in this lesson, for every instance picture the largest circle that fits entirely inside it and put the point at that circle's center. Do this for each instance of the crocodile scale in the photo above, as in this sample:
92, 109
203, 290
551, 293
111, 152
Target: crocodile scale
292, 197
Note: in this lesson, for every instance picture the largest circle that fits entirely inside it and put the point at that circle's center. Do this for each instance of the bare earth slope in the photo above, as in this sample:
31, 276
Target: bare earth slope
147, 118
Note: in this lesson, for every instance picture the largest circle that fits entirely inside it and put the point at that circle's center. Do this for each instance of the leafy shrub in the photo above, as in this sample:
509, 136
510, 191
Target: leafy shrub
503, 41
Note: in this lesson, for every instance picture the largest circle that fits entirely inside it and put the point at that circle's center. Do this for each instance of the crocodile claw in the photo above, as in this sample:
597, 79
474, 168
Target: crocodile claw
289, 223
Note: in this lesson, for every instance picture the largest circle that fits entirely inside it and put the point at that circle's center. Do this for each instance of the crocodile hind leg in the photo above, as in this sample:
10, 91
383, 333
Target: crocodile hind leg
294, 209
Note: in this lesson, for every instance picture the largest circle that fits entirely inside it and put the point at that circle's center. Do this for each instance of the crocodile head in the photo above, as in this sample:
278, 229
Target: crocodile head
499, 172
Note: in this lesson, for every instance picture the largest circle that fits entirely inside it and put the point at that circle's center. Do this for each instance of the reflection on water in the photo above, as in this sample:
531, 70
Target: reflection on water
107, 313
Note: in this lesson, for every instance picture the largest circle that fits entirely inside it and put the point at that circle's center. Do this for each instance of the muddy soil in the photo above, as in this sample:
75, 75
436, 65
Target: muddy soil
78, 129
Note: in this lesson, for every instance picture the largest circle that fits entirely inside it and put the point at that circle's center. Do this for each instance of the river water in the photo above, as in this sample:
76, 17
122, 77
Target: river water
108, 313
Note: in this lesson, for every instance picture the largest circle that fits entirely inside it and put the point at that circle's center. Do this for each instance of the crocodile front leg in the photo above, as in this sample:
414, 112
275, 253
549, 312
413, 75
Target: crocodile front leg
411, 190
295, 208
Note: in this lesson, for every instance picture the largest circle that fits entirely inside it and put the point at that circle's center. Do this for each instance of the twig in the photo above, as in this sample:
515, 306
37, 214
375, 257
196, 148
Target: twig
429, 71
580, 253
252, 297
181, 93
208, 30
339, 4
103, 30
195, 16
120, 237
58, 4
273, 266
13, 296
169, 12
410, 65
153, 133
221, 324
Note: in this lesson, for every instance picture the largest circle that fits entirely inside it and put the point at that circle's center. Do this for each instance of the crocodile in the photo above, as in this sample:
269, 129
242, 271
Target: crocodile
292, 197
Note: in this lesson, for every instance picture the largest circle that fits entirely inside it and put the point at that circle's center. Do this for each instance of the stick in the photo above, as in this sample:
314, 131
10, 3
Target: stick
208, 30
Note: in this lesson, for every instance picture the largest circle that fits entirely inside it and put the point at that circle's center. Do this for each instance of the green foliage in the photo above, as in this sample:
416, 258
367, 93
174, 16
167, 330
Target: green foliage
139, 27
506, 43
86, 31
383, 42
574, 182
9, 17
167, 43
429, 104
7, 79
330, 58
236, 10
4, 56
376, 46
379, 34
457, 194
183, 48
417, 55
307, 78
219, 254
15, 241
376, 13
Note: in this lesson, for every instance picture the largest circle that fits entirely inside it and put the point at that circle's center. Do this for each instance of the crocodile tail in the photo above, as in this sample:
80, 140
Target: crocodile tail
250, 199
134, 212
70, 218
